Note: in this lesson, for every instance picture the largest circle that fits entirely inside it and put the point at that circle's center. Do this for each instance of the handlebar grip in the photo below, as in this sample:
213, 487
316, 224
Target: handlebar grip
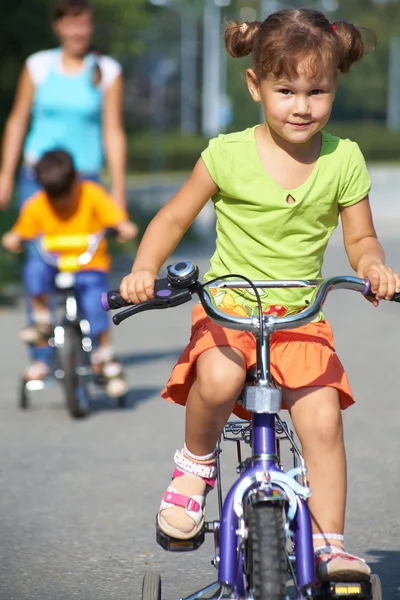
110, 233
112, 300
369, 294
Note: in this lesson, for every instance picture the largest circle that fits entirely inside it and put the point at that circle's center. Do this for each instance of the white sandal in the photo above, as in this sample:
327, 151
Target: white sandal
194, 506
333, 563
105, 364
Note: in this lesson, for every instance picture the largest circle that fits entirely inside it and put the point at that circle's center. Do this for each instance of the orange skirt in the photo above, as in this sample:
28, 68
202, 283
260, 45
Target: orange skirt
301, 357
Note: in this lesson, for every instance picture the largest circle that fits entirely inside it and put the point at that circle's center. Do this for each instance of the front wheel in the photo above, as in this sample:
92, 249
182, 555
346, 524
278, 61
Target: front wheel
23, 401
265, 557
75, 362
151, 587
376, 588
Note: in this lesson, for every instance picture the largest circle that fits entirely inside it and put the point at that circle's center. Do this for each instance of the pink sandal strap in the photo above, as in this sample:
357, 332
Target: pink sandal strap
334, 552
180, 500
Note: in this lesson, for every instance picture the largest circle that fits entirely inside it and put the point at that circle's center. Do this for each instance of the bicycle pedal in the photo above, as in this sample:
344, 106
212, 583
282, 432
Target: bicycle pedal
171, 544
344, 589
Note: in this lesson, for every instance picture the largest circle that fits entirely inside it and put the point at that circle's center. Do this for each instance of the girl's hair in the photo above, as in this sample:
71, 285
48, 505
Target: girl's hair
71, 8
75, 8
291, 36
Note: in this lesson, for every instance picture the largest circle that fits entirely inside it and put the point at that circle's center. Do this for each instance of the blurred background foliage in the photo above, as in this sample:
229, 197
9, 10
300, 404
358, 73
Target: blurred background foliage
141, 34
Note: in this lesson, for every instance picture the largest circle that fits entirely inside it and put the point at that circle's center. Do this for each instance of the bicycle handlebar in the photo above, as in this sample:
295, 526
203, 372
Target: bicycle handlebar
82, 247
182, 282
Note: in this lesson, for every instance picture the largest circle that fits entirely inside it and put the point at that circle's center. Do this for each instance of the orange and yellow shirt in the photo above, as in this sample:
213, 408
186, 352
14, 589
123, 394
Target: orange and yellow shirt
95, 211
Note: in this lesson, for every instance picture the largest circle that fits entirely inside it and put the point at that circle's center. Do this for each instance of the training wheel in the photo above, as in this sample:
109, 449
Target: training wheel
151, 587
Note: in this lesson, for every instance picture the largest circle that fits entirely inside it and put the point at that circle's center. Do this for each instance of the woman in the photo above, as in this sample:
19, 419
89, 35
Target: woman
73, 98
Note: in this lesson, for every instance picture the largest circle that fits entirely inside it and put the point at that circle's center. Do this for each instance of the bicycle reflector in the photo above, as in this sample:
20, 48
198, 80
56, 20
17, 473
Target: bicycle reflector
182, 274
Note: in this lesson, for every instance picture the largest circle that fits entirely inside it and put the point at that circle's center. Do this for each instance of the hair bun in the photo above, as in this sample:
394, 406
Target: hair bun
239, 37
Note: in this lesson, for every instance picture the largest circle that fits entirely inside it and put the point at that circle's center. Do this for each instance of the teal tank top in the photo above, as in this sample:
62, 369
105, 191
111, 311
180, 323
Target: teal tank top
67, 114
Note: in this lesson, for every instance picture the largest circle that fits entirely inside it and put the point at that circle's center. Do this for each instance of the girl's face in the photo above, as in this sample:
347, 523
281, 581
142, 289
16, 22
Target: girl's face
75, 33
295, 109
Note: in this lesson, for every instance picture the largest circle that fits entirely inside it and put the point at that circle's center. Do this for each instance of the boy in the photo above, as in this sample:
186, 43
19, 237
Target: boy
67, 206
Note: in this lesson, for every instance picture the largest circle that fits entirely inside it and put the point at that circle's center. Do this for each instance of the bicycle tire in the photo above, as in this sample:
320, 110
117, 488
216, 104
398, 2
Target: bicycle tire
376, 588
151, 587
77, 397
23, 401
265, 560
122, 401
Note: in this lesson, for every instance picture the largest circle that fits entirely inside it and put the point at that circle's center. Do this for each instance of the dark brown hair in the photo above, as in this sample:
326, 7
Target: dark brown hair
56, 173
293, 35
75, 8
71, 8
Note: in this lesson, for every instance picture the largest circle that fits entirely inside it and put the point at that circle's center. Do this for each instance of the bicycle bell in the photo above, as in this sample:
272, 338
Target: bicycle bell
182, 274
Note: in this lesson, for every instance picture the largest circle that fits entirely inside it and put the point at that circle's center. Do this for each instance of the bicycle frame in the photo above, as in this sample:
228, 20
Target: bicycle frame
263, 472
50, 249
71, 317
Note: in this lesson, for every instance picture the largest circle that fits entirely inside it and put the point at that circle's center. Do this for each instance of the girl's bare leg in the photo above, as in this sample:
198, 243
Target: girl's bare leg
317, 419
220, 375
40, 303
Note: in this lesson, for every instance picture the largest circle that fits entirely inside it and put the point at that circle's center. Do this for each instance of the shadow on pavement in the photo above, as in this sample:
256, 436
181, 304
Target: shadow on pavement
386, 564
145, 357
134, 397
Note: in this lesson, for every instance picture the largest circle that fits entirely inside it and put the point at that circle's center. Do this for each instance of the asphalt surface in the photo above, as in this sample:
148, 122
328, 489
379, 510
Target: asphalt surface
78, 499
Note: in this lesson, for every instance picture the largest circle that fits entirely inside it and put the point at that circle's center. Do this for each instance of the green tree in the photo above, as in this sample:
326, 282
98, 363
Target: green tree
24, 29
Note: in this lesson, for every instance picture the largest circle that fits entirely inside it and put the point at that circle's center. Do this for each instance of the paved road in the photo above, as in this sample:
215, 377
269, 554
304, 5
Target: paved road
78, 499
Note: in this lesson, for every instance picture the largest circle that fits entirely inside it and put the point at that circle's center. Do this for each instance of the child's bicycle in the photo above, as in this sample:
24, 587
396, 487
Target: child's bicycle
70, 337
263, 538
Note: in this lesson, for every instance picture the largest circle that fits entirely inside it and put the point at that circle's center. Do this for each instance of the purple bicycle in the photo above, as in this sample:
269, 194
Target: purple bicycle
263, 539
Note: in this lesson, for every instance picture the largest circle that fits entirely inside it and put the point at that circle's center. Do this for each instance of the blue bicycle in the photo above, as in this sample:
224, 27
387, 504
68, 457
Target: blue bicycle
263, 538
69, 336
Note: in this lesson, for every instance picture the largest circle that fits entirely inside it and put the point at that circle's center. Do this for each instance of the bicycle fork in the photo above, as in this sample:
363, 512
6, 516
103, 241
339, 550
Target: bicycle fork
268, 482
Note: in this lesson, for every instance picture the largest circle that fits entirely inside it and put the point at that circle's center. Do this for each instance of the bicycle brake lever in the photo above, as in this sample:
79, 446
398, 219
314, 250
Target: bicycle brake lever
165, 296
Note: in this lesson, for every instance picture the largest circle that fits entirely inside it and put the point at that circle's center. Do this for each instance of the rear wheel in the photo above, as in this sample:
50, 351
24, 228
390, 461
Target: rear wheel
265, 557
151, 587
76, 368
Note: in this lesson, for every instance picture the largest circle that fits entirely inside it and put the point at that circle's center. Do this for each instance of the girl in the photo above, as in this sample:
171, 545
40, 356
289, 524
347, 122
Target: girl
278, 189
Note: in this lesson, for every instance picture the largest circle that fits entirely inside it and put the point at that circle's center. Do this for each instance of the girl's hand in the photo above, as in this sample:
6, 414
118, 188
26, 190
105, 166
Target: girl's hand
384, 281
127, 231
138, 286
6, 188
11, 241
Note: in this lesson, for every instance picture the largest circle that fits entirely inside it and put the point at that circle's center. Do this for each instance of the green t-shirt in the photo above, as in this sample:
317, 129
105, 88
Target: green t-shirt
262, 236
